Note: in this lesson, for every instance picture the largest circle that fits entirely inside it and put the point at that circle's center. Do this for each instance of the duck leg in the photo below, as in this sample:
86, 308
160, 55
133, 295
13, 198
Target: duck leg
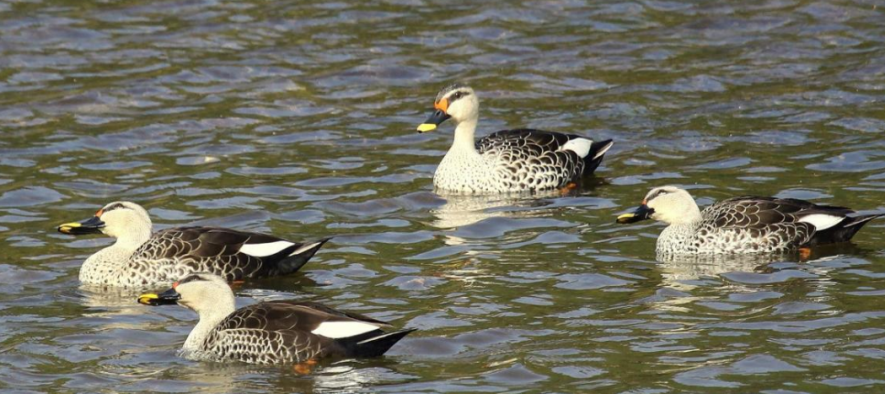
304, 368
804, 253
565, 190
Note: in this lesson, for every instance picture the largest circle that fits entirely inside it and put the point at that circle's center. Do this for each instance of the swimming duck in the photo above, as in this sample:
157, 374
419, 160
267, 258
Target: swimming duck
140, 258
270, 332
743, 224
507, 160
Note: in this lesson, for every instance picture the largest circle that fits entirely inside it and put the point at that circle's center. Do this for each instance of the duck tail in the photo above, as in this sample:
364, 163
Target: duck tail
844, 231
375, 345
296, 256
594, 157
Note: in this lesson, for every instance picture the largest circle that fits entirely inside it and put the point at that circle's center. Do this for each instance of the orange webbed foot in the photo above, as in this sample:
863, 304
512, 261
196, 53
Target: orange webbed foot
304, 368
568, 188
804, 253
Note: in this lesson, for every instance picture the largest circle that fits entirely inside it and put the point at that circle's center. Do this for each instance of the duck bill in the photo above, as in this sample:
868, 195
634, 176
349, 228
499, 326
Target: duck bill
640, 214
433, 121
92, 225
168, 297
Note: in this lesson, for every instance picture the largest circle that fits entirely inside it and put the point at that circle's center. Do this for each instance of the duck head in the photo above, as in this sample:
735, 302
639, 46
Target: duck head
200, 292
457, 102
668, 204
116, 219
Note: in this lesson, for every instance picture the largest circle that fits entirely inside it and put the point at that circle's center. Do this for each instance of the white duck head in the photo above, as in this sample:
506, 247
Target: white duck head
124, 220
201, 292
668, 204
457, 102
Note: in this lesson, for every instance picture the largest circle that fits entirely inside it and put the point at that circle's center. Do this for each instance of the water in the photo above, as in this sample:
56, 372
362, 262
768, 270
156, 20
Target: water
298, 119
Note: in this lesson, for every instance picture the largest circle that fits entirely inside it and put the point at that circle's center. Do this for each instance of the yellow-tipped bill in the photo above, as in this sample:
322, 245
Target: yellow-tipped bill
425, 127
625, 218
433, 120
168, 297
92, 225
67, 227
148, 299
643, 212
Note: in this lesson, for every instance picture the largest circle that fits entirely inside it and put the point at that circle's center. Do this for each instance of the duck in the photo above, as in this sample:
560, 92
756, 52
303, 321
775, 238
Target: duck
142, 258
743, 225
509, 160
270, 332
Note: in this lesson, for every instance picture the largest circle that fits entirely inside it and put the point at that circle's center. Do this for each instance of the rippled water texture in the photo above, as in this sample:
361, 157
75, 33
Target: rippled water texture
298, 119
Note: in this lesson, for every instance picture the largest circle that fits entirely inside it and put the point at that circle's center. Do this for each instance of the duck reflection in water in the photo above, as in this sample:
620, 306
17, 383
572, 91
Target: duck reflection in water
744, 273
461, 210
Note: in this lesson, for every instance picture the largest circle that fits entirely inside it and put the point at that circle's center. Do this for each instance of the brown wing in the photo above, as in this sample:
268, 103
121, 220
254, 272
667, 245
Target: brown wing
533, 142
290, 316
283, 331
776, 220
752, 211
218, 250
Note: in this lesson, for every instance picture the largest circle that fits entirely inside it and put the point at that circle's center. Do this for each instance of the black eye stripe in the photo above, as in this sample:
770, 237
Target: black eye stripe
455, 87
457, 96
113, 207
192, 278
657, 194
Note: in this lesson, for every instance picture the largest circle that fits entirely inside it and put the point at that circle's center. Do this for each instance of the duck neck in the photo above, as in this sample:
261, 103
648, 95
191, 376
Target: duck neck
687, 220
113, 259
221, 308
133, 238
464, 137
692, 215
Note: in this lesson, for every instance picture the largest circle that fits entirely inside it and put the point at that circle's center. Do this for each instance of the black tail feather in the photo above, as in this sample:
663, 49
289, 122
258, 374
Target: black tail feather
375, 345
842, 232
292, 263
594, 158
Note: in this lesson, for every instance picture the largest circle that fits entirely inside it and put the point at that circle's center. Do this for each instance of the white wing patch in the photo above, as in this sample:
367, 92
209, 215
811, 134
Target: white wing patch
343, 329
822, 221
581, 146
266, 249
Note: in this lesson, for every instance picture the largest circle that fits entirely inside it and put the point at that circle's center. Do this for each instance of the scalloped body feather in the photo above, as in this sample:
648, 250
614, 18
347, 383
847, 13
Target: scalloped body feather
518, 160
507, 160
290, 332
744, 225
140, 258
173, 253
